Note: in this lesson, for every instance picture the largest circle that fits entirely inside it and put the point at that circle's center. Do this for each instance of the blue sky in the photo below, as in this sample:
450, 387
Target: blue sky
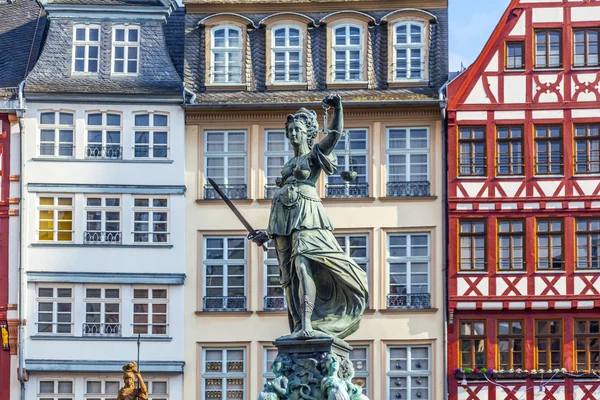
471, 24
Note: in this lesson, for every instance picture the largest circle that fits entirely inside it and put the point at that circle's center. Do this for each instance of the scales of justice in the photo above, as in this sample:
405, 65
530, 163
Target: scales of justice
325, 290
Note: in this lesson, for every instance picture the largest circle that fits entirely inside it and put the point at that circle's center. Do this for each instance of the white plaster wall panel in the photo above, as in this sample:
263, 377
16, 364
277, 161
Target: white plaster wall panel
547, 114
519, 283
519, 28
554, 204
464, 285
499, 115
510, 188
479, 393
509, 206
466, 305
585, 14
585, 305
588, 187
548, 187
580, 285
464, 207
493, 85
518, 391
514, 89
563, 305
487, 206
493, 64
582, 391
589, 113
531, 206
478, 95
585, 96
516, 305
595, 204
472, 188
558, 392
548, 84
471, 116
542, 287
583, 79
491, 305
576, 204
551, 14
539, 305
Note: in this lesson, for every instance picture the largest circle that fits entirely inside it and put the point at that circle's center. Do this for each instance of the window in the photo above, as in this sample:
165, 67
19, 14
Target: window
274, 295
408, 162
269, 355
226, 60
101, 390
224, 374
355, 142
509, 140
549, 244
471, 157
225, 274
588, 243
409, 372
151, 136
286, 54
360, 359
472, 344
278, 151
103, 220
585, 47
56, 134
150, 220
347, 53
548, 48
86, 47
102, 312
408, 266
548, 344
158, 389
473, 244
548, 150
225, 161
356, 246
150, 311
587, 148
104, 136
56, 390
587, 344
55, 308
514, 55
126, 49
511, 338
56, 219
409, 49
511, 245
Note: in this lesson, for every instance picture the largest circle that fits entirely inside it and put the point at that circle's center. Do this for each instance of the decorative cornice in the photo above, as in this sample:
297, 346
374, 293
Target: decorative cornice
98, 188
101, 366
106, 277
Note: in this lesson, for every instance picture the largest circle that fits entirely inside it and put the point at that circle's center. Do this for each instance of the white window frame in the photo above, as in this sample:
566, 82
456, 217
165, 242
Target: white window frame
287, 154
126, 44
287, 49
409, 47
57, 127
151, 129
150, 382
274, 264
346, 48
104, 328
228, 52
268, 374
408, 260
102, 395
224, 376
347, 247
55, 395
86, 44
151, 301
55, 300
341, 153
151, 209
56, 208
225, 262
103, 236
408, 152
365, 373
407, 371
111, 151
226, 154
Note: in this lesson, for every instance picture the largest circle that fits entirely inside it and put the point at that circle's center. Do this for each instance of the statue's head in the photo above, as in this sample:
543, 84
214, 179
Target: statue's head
302, 126
129, 374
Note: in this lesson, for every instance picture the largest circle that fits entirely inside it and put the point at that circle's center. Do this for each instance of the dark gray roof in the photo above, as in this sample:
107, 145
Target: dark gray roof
174, 33
108, 2
18, 47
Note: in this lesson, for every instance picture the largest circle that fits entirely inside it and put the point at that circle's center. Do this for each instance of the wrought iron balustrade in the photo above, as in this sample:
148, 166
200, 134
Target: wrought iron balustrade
408, 189
346, 190
97, 237
234, 192
275, 303
101, 329
109, 152
415, 300
224, 303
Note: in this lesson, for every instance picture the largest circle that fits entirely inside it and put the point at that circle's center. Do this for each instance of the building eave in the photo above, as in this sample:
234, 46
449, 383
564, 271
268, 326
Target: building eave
376, 103
113, 12
142, 98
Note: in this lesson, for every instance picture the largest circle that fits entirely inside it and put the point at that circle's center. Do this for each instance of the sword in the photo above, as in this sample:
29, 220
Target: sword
251, 231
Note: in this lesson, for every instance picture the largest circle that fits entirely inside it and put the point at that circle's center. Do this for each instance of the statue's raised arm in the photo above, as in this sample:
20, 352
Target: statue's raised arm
337, 124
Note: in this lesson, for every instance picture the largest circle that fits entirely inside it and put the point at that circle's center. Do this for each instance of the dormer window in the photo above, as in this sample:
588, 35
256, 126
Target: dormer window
286, 54
347, 53
226, 60
126, 49
409, 50
86, 47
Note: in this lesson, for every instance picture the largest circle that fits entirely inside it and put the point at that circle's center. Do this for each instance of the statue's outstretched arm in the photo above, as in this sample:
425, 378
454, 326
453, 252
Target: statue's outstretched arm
337, 124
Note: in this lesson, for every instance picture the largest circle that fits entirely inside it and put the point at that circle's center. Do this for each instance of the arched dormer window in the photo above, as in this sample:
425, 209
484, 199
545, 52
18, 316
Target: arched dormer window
347, 50
286, 54
409, 51
226, 55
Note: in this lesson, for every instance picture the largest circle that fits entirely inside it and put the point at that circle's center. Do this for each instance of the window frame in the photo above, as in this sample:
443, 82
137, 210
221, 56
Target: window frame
547, 45
548, 338
151, 301
510, 141
273, 263
408, 151
57, 127
408, 259
151, 209
212, 50
472, 141
224, 262
409, 47
511, 234
103, 209
225, 155
268, 375
151, 129
473, 235
550, 233
511, 338
586, 42
287, 49
103, 395
87, 44
472, 338
104, 130
224, 376
507, 56
56, 383
589, 140
364, 374
127, 45
55, 300
103, 301
588, 234
346, 142
408, 373
347, 48
56, 208
548, 140
347, 247
587, 337
287, 154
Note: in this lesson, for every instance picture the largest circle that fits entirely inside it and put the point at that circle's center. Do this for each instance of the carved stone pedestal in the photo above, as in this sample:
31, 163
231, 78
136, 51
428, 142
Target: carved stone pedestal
314, 369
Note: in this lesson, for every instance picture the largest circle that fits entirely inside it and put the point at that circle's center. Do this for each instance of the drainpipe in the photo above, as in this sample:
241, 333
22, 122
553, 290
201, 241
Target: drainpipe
22, 283
188, 91
443, 105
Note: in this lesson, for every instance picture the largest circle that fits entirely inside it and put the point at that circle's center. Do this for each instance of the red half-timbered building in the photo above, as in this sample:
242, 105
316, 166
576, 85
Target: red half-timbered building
524, 208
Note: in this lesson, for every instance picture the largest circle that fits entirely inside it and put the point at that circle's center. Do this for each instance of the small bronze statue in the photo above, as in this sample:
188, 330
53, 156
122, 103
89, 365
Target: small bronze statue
129, 391
278, 387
